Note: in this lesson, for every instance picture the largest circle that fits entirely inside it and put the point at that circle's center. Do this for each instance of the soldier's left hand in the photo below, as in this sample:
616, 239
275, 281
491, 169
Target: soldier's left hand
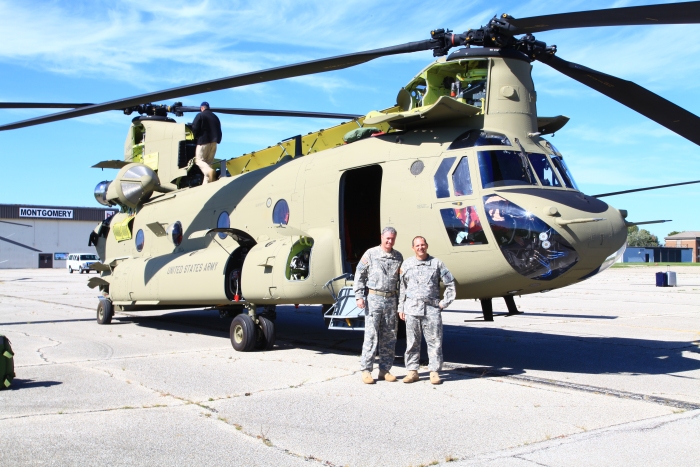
402, 315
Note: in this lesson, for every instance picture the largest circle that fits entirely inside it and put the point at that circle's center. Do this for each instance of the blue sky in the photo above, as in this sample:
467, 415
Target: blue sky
95, 51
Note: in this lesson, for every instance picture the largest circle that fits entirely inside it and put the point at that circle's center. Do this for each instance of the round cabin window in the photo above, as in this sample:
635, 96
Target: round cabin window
139, 240
224, 222
175, 233
280, 214
417, 167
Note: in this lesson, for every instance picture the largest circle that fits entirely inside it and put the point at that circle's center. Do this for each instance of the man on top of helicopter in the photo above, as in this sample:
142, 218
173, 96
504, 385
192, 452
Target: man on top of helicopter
207, 132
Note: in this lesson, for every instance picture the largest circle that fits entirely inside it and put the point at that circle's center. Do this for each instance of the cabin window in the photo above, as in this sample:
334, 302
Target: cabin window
544, 171
461, 180
504, 168
463, 226
139, 240
442, 187
175, 233
479, 138
224, 222
280, 213
564, 172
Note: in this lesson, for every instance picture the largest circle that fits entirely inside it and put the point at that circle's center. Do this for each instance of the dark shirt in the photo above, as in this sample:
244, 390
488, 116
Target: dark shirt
206, 128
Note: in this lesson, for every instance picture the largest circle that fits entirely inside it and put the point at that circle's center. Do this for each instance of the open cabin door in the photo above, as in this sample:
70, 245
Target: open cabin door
360, 200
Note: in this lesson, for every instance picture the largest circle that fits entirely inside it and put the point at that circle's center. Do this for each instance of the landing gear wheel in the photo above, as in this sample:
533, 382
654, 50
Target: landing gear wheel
265, 334
70, 270
243, 333
105, 311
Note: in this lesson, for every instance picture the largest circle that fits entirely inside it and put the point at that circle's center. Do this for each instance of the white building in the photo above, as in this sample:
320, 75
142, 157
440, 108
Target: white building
42, 236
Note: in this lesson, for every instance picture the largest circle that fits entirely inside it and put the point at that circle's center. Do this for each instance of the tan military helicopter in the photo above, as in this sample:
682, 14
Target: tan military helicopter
460, 159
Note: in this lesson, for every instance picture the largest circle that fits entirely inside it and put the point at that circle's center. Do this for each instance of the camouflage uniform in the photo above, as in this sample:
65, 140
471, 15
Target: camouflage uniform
420, 301
378, 271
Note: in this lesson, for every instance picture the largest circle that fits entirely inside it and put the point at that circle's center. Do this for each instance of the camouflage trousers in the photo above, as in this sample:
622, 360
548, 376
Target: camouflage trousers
380, 332
431, 327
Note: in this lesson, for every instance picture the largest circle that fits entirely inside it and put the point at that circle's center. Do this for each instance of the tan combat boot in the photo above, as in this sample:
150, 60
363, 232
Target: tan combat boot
435, 378
367, 377
386, 376
411, 377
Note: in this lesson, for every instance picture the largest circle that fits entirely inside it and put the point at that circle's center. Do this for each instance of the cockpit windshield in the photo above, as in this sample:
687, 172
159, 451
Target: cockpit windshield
504, 168
544, 170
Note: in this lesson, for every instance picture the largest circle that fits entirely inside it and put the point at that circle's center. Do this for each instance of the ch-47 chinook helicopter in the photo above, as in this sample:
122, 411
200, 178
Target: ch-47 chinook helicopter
460, 159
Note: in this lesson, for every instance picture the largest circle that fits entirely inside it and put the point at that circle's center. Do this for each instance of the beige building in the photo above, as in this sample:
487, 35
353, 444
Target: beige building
42, 236
688, 239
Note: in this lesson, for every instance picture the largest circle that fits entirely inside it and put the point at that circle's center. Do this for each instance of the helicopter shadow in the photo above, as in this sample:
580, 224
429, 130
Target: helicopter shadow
487, 350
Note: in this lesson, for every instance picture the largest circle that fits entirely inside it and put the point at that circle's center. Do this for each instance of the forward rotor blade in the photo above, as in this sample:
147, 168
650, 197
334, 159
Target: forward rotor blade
271, 74
630, 224
644, 189
274, 113
671, 13
39, 105
632, 95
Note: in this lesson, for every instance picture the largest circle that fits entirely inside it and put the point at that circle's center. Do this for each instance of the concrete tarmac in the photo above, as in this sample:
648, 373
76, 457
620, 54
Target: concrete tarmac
606, 372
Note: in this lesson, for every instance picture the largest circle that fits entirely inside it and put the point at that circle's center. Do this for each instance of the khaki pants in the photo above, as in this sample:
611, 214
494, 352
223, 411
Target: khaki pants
203, 157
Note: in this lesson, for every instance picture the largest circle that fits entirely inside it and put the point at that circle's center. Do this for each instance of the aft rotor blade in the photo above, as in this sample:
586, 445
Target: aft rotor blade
274, 113
40, 105
271, 74
632, 95
644, 189
670, 13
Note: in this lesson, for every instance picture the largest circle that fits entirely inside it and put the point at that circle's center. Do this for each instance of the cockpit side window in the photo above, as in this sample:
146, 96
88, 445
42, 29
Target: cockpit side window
561, 167
544, 170
504, 168
479, 138
463, 226
461, 180
442, 187
564, 172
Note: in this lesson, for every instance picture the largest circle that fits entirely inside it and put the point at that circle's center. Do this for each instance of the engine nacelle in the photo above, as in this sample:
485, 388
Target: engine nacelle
133, 185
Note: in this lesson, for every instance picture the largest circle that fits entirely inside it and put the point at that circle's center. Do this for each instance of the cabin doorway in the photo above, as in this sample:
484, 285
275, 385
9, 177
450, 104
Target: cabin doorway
360, 202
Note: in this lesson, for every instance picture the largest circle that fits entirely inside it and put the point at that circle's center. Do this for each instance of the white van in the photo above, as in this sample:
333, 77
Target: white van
81, 262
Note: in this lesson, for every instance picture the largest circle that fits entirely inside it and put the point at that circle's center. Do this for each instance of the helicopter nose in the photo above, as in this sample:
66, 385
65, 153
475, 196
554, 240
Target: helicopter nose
575, 233
531, 246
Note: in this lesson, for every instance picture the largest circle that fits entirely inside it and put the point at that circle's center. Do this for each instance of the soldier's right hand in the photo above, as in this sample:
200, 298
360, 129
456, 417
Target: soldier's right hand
360, 303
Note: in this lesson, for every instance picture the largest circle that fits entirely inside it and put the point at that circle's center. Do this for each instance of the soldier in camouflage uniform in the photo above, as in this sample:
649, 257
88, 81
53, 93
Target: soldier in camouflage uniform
420, 306
376, 290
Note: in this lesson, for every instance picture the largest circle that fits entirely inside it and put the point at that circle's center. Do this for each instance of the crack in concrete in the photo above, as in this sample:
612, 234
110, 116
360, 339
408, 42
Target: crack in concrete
45, 301
41, 354
580, 387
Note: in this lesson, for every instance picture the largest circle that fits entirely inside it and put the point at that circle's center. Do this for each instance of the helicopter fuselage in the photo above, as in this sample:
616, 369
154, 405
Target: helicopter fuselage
493, 199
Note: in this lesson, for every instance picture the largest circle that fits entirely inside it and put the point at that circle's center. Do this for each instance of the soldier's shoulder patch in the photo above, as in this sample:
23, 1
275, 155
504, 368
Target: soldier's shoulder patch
364, 260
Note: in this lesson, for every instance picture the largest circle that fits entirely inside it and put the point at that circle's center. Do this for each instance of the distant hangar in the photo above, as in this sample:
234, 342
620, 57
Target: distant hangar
42, 236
